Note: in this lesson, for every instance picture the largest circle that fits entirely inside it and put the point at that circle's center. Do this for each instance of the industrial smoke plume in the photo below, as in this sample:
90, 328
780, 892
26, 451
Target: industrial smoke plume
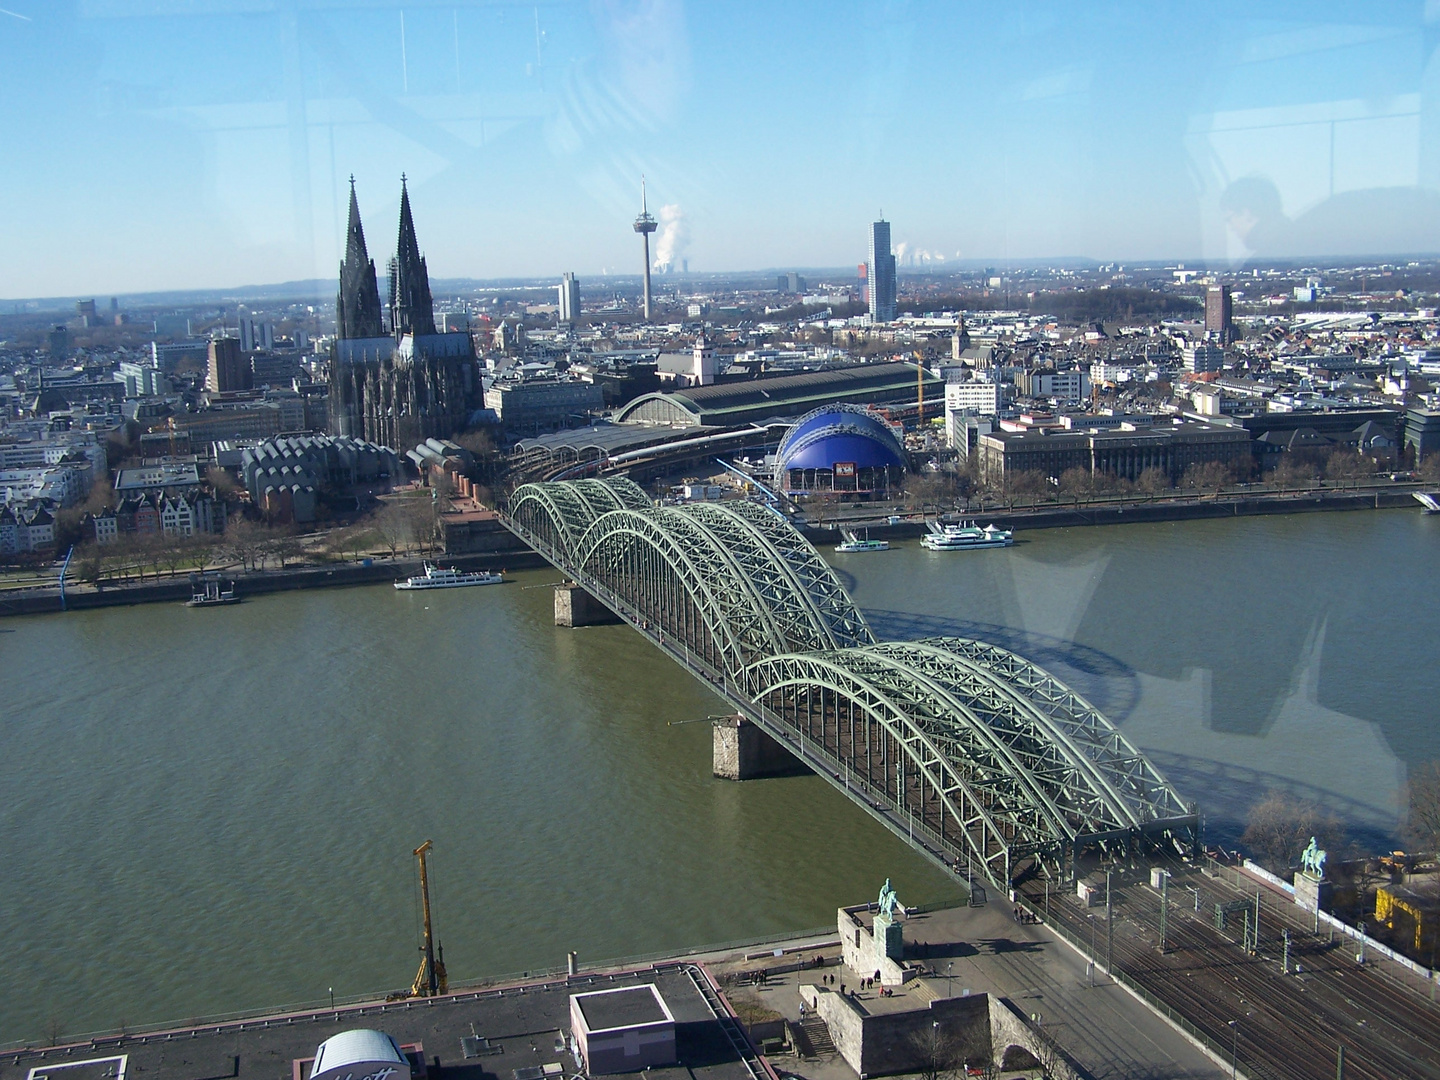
906, 255
674, 237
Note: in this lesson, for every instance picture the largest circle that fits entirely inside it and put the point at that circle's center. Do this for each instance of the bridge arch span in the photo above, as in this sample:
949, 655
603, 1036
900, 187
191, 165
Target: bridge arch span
969, 750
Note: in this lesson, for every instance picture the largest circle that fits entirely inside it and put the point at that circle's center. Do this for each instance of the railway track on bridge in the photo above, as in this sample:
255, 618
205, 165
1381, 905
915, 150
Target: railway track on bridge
1290, 1025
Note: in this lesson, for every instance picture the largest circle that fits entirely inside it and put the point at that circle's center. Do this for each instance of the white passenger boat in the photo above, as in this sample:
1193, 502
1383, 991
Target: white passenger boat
963, 536
1430, 500
447, 577
855, 543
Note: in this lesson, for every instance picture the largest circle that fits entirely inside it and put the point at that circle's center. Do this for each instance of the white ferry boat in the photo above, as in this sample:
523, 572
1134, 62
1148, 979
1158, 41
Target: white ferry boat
855, 543
447, 577
962, 536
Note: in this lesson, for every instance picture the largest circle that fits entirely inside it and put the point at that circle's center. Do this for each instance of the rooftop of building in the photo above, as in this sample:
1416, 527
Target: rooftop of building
157, 476
606, 437
473, 1034
727, 402
622, 1007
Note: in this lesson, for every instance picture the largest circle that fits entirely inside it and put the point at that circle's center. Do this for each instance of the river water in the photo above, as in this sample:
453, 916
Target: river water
214, 810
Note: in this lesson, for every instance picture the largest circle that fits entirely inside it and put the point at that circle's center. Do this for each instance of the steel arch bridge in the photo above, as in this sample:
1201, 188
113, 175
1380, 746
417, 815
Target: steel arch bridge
978, 757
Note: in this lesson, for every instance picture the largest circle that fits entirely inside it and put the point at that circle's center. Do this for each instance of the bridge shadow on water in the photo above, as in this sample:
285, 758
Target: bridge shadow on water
1106, 681
1226, 791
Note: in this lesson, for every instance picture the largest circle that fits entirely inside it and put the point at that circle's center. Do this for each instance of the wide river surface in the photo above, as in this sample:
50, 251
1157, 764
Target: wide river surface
214, 810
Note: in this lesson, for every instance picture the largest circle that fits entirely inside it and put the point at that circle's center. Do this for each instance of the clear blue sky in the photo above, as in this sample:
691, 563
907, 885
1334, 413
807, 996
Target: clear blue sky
153, 144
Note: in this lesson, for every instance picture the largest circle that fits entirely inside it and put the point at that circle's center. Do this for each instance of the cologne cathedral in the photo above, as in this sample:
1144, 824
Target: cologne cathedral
401, 387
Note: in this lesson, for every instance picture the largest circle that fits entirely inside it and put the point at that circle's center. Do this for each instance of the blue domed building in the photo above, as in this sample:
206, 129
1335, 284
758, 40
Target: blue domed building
840, 448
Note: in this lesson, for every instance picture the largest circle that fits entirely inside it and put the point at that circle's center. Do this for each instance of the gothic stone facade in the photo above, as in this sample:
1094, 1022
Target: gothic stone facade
398, 395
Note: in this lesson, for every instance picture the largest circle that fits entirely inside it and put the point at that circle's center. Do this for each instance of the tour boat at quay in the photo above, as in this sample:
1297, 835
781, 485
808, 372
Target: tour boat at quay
961, 537
447, 577
855, 543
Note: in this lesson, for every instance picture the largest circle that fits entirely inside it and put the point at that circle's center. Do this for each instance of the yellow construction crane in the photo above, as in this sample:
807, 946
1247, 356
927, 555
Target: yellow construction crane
430, 979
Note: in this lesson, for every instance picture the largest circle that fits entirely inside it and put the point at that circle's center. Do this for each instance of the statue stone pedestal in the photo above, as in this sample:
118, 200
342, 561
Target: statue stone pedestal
889, 937
1311, 893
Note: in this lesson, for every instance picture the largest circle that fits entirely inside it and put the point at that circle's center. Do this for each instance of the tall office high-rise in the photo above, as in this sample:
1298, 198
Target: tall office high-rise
1218, 313
229, 368
569, 299
256, 336
880, 276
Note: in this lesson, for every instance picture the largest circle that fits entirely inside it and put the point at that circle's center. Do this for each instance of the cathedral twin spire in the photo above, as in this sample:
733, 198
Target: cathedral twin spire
357, 307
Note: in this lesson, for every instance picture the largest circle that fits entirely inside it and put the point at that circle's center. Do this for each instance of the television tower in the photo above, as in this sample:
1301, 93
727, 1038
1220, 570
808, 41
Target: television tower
645, 225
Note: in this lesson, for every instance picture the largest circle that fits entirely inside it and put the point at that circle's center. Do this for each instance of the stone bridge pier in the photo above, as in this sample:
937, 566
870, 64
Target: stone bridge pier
742, 751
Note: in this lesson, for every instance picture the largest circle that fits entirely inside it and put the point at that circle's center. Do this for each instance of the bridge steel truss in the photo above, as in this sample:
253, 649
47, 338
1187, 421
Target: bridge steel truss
975, 755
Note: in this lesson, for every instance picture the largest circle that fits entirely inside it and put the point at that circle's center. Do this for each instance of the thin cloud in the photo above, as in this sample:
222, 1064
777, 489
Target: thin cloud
16, 14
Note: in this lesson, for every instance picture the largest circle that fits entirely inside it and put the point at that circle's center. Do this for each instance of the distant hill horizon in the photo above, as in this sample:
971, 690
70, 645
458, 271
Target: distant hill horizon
323, 289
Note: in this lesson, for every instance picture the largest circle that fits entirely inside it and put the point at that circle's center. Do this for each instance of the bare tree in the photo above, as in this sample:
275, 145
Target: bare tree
1076, 482
152, 552
443, 485
286, 548
1294, 470
173, 552
1280, 826
334, 543
221, 482
394, 527
1346, 466
199, 552
939, 1053
1054, 1064
1026, 482
1152, 481
420, 514
244, 540
1423, 824
930, 489
477, 441
355, 540
1206, 475
87, 567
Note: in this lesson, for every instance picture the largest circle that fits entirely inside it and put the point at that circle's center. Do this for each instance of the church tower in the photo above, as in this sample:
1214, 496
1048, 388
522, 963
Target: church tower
357, 307
411, 309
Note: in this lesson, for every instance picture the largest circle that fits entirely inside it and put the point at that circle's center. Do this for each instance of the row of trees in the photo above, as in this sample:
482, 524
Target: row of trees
136, 558
1341, 465
399, 526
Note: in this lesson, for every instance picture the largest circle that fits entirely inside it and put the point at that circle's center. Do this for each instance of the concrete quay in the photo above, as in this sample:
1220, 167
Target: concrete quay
727, 1023
255, 583
1201, 507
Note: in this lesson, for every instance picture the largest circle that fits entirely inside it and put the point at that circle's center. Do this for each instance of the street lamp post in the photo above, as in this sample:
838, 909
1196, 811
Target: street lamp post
1234, 1047
1109, 925
1091, 965
949, 972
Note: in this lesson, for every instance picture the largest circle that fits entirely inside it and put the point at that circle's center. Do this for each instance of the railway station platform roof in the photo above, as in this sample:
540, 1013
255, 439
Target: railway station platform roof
750, 400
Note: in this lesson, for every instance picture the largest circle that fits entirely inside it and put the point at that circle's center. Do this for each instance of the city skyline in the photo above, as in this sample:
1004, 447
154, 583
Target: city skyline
167, 150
